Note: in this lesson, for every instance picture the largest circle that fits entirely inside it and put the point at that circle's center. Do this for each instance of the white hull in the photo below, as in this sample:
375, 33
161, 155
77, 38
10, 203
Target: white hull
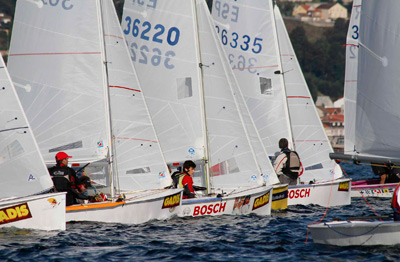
240, 202
331, 193
376, 190
43, 212
136, 209
356, 233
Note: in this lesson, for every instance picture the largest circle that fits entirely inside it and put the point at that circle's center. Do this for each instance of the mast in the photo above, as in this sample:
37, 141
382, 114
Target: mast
111, 149
282, 78
203, 107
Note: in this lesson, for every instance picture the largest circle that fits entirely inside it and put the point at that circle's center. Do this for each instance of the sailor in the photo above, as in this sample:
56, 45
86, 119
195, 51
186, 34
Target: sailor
396, 203
83, 184
184, 179
381, 170
287, 165
64, 177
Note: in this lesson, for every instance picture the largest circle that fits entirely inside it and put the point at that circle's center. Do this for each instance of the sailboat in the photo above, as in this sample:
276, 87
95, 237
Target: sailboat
277, 95
24, 176
197, 110
370, 187
81, 94
376, 104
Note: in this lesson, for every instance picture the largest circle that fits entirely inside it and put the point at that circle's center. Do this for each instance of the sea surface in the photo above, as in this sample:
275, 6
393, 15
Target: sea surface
280, 237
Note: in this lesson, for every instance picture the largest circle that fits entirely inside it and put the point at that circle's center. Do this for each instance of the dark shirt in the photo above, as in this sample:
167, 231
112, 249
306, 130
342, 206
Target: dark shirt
64, 179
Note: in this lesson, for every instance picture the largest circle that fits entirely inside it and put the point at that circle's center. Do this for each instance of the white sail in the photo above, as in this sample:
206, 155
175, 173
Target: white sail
162, 41
309, 137
23, 172
350, 82
139, 161
246, 30
378, 107
58, 72
233, 158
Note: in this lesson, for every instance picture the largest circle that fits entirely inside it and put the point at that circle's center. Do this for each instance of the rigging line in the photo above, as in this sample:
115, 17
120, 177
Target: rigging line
344, 172
15, 128
326, 210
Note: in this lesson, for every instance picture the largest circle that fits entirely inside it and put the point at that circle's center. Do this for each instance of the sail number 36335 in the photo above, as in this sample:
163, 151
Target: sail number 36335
65, 4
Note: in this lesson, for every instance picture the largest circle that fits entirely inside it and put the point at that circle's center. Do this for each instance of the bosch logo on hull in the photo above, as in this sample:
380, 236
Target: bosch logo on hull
299, 193
209, 209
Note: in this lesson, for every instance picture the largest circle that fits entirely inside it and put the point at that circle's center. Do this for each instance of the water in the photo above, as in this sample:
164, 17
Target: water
280, 237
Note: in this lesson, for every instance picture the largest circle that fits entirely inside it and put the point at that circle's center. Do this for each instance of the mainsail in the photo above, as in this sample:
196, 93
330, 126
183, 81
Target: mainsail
185, 81
309, 136
55, 61
246, 30
378, 107
91, 105
350, 84
23, 172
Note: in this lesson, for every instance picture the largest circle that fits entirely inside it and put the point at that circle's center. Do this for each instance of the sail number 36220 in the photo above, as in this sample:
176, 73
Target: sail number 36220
145, 31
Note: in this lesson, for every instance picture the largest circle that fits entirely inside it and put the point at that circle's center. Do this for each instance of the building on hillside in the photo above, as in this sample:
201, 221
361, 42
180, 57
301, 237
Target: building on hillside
332, 11
319, 12
324, 101
332, 119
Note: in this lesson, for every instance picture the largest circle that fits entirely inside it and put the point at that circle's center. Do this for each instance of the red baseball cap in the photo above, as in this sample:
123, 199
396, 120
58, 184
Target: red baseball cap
62, 155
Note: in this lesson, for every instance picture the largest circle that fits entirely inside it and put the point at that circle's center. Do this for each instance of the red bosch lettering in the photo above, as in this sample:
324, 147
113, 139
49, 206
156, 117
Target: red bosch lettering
210, 209
196, 211
222, 207
203, 210
216, 208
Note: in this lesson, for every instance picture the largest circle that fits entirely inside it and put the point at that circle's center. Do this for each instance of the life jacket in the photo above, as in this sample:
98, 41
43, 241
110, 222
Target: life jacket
175, 178
293, 164
186, 190
64, 181
395, 204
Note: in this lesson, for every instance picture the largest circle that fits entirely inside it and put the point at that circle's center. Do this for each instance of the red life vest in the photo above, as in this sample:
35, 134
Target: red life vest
395, 204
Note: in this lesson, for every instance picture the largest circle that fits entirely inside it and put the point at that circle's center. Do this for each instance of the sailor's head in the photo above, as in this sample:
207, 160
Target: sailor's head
62, 158
188, 167
83, 183
283, 143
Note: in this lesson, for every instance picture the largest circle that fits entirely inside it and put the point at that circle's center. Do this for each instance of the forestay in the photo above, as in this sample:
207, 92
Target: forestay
139, 161
378, 96
23, 172
58, 71
229, 124
247, 31
350, 83
309, 136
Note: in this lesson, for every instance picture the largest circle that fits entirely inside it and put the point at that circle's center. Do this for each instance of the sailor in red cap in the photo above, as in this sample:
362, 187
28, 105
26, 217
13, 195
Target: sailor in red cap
64, 178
